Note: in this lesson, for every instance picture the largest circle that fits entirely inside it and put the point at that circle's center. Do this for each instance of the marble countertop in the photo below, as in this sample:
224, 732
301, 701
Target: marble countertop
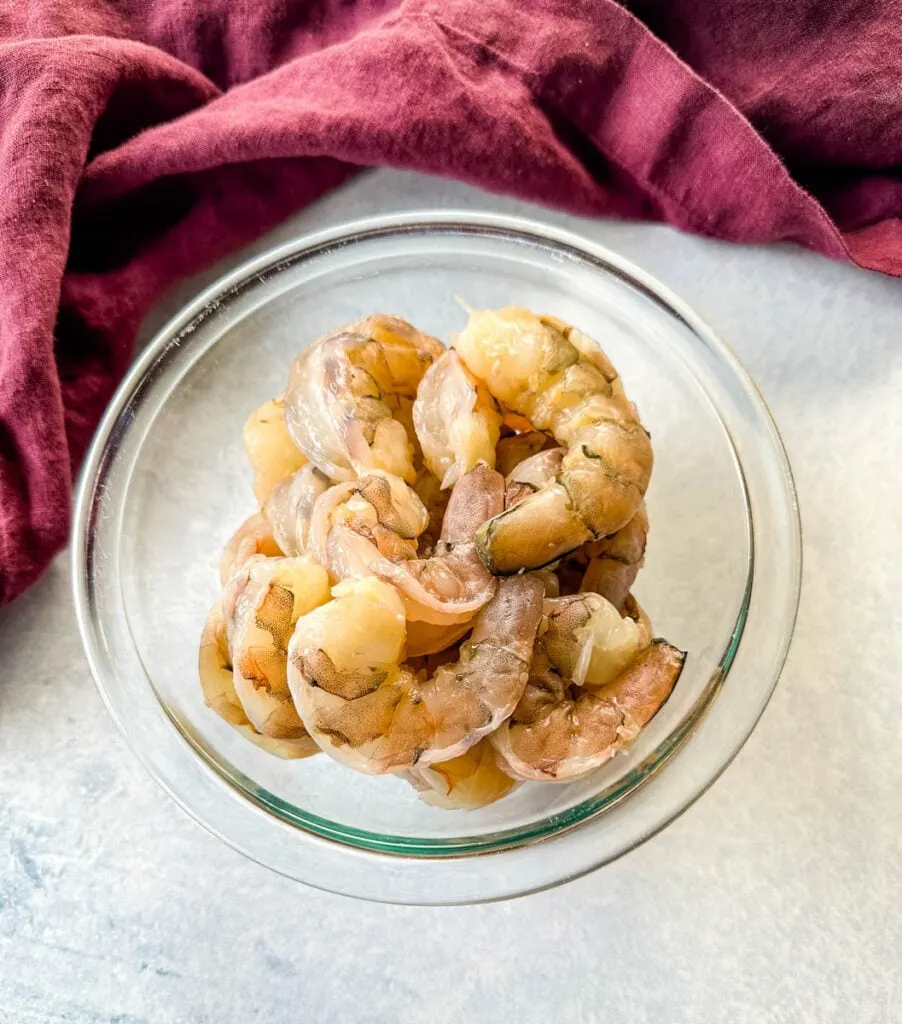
774, 899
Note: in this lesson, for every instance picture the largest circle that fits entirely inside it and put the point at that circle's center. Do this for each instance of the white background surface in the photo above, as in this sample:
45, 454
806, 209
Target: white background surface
776, 898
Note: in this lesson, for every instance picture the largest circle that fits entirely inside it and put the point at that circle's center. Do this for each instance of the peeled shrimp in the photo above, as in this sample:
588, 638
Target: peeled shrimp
609, 566
531, 475
561, 731
471, 780
345, 390
218, 687
253, 537
428, 489
588, 640
368, 528
559, 379
457, 421
289, 506
273, 455
261, 604
374, 715
513, 449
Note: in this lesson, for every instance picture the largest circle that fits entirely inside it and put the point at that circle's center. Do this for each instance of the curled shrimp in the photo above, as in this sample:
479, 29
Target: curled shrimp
261, 604
559, 379
368, 527
456, 420
289, 507
373, 714
349, 393
272, 453
609, 566
473, 779
218, 687
561, 731
253, 537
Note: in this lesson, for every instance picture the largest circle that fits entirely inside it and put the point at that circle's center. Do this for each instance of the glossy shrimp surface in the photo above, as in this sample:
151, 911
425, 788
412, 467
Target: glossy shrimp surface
456, 420
272, 453
515, 448
609, 566
261, 603
561, 731
350, 392
428, 489
253, 537
369, 527
218, 687
375, 715
564, 384
473, 779
288, 508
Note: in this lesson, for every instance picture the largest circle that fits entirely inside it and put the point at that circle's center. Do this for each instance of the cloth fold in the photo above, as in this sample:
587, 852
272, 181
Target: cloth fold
142, 139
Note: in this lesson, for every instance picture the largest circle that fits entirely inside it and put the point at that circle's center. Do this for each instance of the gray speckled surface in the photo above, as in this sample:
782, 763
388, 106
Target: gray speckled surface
774, 899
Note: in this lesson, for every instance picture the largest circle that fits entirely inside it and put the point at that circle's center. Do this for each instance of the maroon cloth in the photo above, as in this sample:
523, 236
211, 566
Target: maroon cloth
140, 139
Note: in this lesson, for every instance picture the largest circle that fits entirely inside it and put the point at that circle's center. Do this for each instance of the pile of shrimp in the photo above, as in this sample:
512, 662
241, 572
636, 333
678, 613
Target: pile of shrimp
437, 580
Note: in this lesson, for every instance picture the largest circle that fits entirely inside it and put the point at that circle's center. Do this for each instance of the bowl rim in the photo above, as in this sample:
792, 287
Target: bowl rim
443, 852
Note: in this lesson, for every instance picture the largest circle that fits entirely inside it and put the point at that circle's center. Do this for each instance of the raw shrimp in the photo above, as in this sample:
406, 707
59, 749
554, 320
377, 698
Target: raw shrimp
588, 640
372, 714
564, 384
456, 420
430, 638
379, 512
253, 537
609, 566
429, 490
289, 506
561, 731
218, 687
351, 535
471, 780
513, 449
261, 604
273, 455
345, 390
531, 475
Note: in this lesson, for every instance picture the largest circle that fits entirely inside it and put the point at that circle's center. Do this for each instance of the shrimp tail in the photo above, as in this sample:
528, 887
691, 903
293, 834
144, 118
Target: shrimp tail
641, 690
555, 738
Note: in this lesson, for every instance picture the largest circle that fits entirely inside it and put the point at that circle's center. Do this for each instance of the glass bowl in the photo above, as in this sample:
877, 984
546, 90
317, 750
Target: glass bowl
166, 482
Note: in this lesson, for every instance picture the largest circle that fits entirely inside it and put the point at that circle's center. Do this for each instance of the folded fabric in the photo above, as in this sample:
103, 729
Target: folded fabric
141, 139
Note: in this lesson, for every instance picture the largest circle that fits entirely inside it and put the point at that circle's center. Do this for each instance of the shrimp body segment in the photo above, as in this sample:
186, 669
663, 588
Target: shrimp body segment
471, 780
513, 449
261, 603
254, 537
369, 527
289, 506
375, 715
456, 420
272, 453
345, 390
564, 384
609, 566
218, 688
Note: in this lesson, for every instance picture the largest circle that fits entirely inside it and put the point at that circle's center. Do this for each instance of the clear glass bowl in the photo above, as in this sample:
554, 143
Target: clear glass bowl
167, 481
